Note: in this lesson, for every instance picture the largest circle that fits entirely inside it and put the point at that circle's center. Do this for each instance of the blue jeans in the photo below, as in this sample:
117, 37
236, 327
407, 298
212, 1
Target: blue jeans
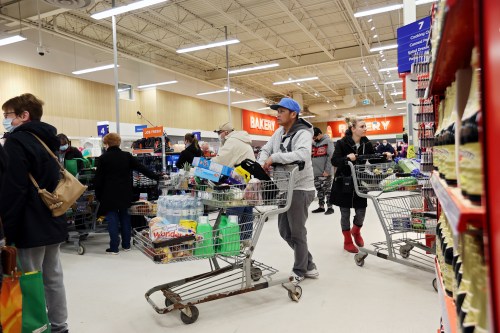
119, 223
245, 220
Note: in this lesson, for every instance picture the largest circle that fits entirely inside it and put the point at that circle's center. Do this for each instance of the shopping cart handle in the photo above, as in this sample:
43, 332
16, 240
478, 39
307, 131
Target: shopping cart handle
398, 175
370, 156
301, 164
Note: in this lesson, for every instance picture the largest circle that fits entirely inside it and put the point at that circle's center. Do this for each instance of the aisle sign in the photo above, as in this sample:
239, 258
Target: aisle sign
258, 123
374, 126
102, 129
139, 128
152, 132
197, 135
412, 42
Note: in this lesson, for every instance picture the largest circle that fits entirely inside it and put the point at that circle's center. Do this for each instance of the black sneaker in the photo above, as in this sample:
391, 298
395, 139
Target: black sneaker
318, 210
109, 251
329, 211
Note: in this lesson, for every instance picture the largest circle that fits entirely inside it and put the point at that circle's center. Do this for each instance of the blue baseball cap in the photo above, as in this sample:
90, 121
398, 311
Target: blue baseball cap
287, 103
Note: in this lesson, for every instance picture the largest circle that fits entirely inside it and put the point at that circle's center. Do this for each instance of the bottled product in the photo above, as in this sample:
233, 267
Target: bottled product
192, 208
228, 240
204, 247
200, 209
177, 209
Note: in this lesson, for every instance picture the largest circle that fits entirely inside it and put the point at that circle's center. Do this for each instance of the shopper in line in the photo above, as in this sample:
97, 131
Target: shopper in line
236, 146
3, 166
28, 223
354, 143
192, 150
292, 142
113, 189
387, 149
322, 151
206, 152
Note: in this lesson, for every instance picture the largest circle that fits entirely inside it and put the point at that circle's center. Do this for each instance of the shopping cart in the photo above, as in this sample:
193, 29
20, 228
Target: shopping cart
229, 250
406, 209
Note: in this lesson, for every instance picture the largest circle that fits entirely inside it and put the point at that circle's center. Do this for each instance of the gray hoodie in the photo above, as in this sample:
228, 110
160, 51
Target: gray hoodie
322, 152
294, 146
236, 148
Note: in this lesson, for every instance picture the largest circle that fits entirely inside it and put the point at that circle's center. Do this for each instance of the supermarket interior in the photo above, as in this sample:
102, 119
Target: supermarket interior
194, 134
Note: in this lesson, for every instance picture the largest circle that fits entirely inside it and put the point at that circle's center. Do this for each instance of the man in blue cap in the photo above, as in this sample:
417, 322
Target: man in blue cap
292, 142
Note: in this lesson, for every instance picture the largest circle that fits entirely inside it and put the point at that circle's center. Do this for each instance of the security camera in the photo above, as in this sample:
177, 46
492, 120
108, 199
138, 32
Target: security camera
41, 50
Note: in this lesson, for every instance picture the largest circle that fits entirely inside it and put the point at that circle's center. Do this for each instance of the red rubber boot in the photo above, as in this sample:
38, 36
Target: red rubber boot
356, 234
348, 244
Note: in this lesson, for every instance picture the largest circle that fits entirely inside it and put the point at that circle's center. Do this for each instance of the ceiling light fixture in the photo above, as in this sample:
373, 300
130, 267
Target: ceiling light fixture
385, 47
373, 28
254, 68
389, 8
214, 92
155, 84
94, 69
399, 102
375, 36
11, 39
207, 46
394, 82
249, 101
127, 8
370, 20
397, 93
311, 116
401, 108
388, 69
297, 80
266, 108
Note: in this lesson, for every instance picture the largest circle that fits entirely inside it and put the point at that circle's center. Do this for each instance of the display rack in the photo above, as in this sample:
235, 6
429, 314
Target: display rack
448, 308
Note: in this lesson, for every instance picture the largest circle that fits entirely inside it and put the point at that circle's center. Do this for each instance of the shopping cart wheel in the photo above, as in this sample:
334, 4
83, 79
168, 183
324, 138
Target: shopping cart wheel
81, 249
295, 296
404, 251
168, 302
359, 259
435, 284
193, 310
255, 273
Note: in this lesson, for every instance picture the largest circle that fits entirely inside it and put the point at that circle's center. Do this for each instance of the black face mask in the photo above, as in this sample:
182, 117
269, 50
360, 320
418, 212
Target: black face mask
317, 140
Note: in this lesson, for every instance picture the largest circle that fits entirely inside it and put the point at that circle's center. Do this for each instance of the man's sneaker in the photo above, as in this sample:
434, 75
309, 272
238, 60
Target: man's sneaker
296, 279
109, 251
329, 211
318, 210
126, 249
312, 273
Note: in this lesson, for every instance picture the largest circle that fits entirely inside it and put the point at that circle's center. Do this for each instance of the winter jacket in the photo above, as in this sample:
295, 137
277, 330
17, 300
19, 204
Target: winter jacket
113, 179
385, 149
187, 156
296, 145
344, 147
27, 221
238, 147
3, 166
322, 152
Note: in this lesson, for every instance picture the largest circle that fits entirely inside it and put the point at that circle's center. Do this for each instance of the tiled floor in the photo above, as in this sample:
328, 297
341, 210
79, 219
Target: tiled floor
106, 293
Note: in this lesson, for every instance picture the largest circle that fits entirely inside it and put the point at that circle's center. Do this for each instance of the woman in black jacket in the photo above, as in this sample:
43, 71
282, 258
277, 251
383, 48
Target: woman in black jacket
352, 144
192, 150
113, 188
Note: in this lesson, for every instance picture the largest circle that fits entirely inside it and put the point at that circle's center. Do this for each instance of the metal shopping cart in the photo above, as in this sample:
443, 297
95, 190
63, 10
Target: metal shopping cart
229, 250
406, 208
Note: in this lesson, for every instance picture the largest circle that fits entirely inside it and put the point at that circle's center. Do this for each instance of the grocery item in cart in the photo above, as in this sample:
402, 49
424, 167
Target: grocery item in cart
253, 192
161, 230
268, 186
205, 246
228, 237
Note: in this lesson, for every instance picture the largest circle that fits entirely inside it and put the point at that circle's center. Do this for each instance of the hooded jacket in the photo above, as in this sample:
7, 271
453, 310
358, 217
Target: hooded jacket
296, 145
27, 221
236, 148
322, 152
3, 166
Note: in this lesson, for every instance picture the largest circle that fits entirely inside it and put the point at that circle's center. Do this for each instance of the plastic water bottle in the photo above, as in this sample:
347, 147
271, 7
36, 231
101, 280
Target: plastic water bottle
199, 209
192, 209
177, 210
160, 204
184, 208
169, 209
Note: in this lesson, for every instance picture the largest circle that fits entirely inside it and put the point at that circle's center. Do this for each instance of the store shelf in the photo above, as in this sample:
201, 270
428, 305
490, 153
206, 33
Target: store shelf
459, 211
448, 308
455, 45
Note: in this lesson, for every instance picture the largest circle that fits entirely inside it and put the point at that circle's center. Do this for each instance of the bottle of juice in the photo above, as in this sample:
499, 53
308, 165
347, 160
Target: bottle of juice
228, 236
205, 247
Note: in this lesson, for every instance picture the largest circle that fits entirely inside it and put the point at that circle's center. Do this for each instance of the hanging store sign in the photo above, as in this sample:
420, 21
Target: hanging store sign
102, 128
139, 128
258, 123
152, 132
374, 126
412, 42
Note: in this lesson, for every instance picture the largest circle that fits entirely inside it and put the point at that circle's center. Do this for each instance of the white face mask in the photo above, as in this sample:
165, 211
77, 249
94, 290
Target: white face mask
385, 143
7, 124
221, 139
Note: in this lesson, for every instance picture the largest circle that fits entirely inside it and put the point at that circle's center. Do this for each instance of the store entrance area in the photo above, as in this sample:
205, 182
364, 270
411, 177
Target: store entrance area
106, 293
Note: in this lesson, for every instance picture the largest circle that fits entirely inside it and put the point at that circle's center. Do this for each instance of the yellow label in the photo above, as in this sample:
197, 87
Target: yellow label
188, 224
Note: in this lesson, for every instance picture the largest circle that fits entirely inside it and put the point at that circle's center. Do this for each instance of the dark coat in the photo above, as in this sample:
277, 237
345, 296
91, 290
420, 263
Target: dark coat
113, 179
3, 166
27, 221
344, 147
187, 155
386, 149
72, 153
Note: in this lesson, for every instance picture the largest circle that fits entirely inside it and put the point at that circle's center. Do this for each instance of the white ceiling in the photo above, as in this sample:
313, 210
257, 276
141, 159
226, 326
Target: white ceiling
306, 37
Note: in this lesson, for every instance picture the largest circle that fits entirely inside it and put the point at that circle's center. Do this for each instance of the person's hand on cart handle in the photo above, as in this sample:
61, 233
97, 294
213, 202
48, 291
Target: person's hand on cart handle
325, 174
352, 157
268, 164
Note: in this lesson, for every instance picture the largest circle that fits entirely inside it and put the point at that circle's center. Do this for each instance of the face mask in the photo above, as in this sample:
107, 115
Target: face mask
317, 140
64, 147
222, 140
7, 124
187, 144
385, 143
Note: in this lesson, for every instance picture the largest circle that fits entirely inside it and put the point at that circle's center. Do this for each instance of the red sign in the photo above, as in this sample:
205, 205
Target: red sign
258, 123
152, 132
375, 126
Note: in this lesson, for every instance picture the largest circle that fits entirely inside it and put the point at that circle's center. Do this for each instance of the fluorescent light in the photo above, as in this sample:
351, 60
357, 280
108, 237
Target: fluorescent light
423, 2
372, 28
297, 80
303, 117
207, 46
397, 93
248, 69
402, 113
399, 102
127, 8
393, 82
156, 84
369, 20
266, 108
214, 92
378, 10
11, 39
94, 69
385, 47
404, 108
375, 36
249, 101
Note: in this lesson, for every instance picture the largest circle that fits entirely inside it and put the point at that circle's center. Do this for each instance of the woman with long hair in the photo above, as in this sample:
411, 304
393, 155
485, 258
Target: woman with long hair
192, 150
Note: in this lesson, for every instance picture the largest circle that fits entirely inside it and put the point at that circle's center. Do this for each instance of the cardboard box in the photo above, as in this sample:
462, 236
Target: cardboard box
201, 162
207, 174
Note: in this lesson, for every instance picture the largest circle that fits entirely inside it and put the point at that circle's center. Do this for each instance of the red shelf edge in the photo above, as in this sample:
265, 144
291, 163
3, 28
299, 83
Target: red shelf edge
448, 306
459, 216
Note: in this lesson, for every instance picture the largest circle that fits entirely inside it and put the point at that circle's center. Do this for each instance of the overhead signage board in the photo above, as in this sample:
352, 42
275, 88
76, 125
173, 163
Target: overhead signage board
152, 132
412, 42
374, 126
139, 128
258, 123
102, 129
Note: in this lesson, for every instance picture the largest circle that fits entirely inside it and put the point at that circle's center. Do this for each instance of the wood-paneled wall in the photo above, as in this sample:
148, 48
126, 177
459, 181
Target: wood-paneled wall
74, 105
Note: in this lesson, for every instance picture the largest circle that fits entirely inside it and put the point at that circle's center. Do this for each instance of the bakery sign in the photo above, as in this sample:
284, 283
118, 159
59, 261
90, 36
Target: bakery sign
258, 123
374, 126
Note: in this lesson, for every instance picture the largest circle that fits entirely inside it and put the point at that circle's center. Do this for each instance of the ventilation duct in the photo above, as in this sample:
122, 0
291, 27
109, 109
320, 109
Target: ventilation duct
348, 101
70, 4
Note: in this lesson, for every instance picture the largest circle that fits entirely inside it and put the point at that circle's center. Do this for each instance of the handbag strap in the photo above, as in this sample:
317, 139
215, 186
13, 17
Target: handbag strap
50, 153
